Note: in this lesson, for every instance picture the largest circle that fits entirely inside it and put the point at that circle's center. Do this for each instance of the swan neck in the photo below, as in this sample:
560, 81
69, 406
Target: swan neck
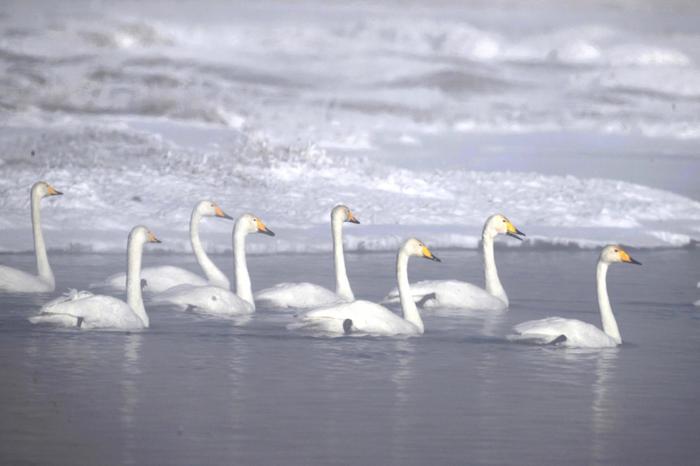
408, 306
244, 288
606, 312
493, 283
42, 260
133, 280
342, 284
215, 276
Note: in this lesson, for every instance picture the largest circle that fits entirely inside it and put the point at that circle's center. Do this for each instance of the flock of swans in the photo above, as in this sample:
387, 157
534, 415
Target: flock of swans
322, 310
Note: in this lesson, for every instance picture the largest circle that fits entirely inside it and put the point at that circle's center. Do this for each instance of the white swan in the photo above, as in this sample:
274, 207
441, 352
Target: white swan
159, 279
365, 317
85, 310
17, 281
462, 295
572, 332
308, 295
217, 300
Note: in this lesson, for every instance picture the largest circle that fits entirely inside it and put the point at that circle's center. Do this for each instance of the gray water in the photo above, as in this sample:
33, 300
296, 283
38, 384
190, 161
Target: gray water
193, 390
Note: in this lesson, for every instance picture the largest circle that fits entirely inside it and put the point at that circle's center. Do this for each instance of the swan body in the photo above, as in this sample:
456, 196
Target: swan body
451, 294
308, 295
161, 278
16, 281
575, 333
297, 295
578, 334
210, 299
156, 279
462, 295
85, 310
368, 318
206, 299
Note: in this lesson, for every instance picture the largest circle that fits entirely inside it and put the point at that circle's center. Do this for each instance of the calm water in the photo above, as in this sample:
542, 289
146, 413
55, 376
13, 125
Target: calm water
192, 390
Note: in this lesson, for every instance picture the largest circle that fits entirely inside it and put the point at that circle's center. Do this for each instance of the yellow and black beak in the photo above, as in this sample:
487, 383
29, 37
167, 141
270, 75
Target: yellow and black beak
221, 214
53, 191
513, 232
429, 255
262, 228
352, 218
152, 238
624, 257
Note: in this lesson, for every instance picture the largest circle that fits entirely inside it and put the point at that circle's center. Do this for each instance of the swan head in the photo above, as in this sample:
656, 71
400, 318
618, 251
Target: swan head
211, 209
343, 214
499, 224
143, 235
415, 247
43, 189
250, 223
614, 253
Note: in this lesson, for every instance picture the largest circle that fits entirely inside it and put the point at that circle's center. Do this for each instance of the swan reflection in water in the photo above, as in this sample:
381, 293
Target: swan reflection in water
603, 409
131, 371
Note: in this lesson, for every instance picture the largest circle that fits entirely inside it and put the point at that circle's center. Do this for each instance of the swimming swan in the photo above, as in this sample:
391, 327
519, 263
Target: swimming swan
83, 309
574, 333
211, 299
462, 295
365, 317
308, 295
17, 281
159, 279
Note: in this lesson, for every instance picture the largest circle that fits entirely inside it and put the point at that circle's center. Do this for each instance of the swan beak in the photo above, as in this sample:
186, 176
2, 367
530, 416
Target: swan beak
624, 257
352, 218
513, 232
220, 213
152, 238
429, 255
53, 191
262, 228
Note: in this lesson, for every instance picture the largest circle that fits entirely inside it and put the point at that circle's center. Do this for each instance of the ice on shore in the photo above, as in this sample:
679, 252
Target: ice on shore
114, 178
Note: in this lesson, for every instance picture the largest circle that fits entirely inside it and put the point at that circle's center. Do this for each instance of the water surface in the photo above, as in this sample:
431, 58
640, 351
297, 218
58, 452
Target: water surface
192, 390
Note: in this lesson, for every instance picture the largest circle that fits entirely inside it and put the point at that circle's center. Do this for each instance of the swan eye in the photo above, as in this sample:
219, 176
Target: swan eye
617, 250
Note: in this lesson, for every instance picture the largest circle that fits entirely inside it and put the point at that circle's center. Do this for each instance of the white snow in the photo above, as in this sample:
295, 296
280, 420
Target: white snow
115, 178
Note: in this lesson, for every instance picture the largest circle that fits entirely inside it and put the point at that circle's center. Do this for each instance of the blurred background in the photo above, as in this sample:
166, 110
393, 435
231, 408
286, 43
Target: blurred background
579, 120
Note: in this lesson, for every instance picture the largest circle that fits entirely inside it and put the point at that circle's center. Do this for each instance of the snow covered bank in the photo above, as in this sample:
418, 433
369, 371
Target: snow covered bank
114, 178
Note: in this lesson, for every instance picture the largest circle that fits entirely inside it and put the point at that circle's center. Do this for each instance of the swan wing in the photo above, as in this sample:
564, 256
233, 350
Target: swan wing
158, 279
296, 295
206, 299
365, 318
17, 281
89, 311
449, 294
71, 295
578, 334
